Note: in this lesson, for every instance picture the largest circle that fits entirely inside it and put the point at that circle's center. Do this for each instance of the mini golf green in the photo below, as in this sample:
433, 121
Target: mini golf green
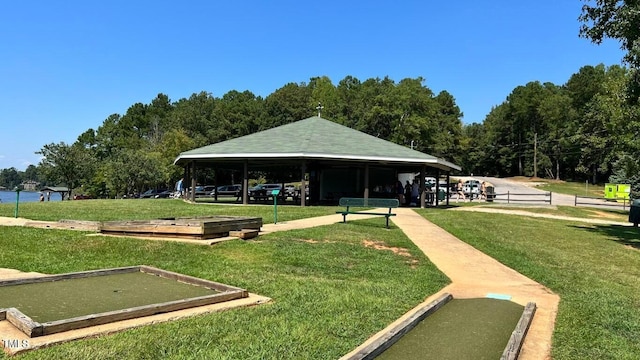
57, 303
63, 299
461, 329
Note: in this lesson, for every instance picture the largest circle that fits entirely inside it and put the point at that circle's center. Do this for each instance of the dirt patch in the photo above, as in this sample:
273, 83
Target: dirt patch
631, 247
382, 246
602, 214
310, 241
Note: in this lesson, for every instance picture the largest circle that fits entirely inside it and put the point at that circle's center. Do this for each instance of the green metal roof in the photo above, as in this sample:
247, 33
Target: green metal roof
55, 188
313, 138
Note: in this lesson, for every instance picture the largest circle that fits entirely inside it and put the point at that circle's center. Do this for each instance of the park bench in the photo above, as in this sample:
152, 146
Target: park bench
370, 202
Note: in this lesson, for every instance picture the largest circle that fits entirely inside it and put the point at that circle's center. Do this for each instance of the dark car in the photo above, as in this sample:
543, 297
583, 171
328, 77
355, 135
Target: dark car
151, 193
164, 195
231, 190
262, 191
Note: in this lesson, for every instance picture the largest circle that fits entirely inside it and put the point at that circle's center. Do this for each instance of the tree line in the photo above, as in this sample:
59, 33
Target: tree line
584, 129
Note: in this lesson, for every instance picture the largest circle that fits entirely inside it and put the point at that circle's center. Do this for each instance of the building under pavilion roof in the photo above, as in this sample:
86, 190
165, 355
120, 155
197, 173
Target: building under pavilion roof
339, 161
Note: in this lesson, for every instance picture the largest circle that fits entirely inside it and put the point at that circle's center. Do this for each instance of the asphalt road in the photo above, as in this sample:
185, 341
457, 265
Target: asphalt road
516, 192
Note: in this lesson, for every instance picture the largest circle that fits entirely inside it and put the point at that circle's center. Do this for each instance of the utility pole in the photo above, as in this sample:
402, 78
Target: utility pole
535, 155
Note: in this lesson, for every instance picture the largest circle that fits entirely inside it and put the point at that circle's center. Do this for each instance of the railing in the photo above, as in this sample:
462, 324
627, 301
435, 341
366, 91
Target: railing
517, 197
589, 200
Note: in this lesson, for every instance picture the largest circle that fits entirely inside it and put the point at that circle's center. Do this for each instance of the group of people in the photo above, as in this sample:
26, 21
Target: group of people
409, 193
48, 196
460, 191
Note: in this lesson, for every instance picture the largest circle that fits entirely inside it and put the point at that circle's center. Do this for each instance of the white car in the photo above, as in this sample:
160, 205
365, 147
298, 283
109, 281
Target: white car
471, 189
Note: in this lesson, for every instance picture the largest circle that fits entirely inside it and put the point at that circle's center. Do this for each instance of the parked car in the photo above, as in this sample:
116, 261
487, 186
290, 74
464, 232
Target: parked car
262, 191
471, 189
230, 190
200, 190
290, 190
151, 193
164, 195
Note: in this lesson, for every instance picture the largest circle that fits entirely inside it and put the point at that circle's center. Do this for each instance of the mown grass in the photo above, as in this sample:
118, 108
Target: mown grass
595, 269
329, 291
573, 188
129, 209
332, 293
573, 211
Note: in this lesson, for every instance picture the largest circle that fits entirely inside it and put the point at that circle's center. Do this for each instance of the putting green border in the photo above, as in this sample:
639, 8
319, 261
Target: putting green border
512, 350
34, 329
391, 336
385, 339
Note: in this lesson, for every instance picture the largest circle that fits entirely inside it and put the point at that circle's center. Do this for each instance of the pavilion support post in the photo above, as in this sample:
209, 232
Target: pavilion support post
303, 185
423, 173
366, 180
193, 181
215, 185
185, 176
437, 194
448, 186
245, 183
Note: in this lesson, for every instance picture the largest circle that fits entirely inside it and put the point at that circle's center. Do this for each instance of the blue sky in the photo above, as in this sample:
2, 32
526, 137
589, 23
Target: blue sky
65, 66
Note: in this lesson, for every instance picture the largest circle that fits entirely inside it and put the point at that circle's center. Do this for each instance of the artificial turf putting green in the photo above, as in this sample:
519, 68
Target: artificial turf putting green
461, 329
70, 298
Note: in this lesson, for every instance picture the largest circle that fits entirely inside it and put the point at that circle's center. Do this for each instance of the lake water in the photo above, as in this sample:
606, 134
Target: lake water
9, 197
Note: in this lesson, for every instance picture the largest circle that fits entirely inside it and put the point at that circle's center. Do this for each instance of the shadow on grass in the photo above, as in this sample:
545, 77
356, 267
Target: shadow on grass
626, 235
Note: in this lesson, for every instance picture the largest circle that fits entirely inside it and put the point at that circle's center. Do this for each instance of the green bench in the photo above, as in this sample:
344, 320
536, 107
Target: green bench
370, 202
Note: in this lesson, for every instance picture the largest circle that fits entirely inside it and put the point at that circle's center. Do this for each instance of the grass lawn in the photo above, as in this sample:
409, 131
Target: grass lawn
130, 209
595, 269
330, 292
579, 212
573, 188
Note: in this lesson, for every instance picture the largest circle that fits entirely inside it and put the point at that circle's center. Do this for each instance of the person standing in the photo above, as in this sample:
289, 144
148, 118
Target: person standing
483, 191
415, 193
407, 193
179, 188
400, 192
460, 191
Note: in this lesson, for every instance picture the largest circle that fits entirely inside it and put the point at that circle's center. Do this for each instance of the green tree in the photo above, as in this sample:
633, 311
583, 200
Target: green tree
197, 116
288, 104
31, 173
241, 114
10, 178
64, 164
325, 93
615, 19
598, 134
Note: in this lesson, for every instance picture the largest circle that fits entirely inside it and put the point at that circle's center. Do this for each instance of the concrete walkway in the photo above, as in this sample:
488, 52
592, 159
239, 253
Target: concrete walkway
474, 274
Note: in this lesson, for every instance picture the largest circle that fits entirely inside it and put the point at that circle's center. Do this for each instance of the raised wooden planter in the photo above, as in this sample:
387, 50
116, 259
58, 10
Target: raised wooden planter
190, 228
33, 329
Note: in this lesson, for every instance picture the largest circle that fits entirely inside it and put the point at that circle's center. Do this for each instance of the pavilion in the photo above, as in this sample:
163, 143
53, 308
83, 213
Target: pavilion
339, 161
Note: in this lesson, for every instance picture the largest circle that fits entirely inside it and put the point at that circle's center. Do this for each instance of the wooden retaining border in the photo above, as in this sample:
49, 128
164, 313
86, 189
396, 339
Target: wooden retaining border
65, 225
390, 337
200, 228
382, 343
34, 329
512, 350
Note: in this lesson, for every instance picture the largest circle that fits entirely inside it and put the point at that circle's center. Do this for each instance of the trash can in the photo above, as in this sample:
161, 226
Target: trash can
491, 193
634, 212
